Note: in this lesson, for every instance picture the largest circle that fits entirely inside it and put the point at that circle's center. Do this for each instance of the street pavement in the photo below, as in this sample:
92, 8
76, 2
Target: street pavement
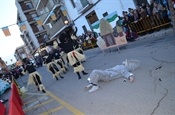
151, 93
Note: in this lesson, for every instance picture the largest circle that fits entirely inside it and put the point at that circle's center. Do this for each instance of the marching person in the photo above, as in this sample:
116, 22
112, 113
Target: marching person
74, 57
58, 59
34, 76
77, 46
51, 66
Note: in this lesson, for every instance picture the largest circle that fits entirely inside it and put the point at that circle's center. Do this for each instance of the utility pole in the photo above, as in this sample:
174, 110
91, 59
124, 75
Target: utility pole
172, 13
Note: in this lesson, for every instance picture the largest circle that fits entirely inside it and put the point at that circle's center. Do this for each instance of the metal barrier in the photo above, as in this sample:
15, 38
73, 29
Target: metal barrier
149, 23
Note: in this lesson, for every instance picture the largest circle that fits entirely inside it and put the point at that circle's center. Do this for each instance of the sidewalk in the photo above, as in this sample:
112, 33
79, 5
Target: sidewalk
159, 33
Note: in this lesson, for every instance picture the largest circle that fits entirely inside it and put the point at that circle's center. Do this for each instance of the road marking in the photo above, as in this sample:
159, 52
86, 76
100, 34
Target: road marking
52, 110
66, 105
35, 94
38, 105
32, 100
26, 97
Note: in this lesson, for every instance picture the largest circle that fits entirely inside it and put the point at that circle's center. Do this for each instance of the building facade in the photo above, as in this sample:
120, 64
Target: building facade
22, 52
53, 14
33, 34
87, 13
57, 16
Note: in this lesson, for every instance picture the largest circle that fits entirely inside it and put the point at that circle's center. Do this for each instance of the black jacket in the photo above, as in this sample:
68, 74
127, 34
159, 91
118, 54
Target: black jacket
29, 68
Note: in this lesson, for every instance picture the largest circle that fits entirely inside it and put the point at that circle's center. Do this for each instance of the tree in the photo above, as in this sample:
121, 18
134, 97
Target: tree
172, 12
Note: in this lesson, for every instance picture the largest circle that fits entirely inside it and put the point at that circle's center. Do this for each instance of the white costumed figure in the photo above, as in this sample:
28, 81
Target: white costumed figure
117, 71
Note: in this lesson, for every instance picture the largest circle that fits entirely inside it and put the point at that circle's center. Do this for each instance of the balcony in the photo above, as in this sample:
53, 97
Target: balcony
50, 7
83, 5
27, 7
31, 16
40, 31
56, 27
37, 29
35, 2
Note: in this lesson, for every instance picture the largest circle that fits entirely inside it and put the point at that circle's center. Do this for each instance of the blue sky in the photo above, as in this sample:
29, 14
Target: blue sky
8, 16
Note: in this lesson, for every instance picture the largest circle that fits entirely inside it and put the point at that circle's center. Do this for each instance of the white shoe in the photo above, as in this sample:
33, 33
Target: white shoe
131, 79
88, 86
94, 88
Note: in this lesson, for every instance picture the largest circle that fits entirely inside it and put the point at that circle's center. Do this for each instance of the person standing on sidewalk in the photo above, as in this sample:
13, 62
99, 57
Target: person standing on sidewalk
34, 76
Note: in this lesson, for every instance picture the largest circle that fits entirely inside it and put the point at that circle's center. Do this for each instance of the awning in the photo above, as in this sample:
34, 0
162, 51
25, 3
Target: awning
110, 18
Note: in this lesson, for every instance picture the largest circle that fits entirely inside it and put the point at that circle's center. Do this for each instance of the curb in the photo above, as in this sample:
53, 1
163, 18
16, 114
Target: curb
157, 34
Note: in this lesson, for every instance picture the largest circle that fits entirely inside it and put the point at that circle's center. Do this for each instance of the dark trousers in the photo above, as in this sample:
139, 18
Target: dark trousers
52, 69
37, 80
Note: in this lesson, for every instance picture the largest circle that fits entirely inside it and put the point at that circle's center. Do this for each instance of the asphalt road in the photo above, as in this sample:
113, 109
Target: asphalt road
151, 93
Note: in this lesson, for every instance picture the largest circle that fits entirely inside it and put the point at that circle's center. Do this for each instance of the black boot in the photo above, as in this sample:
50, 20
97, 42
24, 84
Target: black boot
79, 77
61, 77
43, 91
66, 68
84, 73
56, 78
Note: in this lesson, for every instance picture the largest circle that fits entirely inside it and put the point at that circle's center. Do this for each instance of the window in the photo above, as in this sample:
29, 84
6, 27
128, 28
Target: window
43, 10
29, 5
84, 28
40, 28
36, 1
105, 14
33, 47
34, 15
92, 17
73, 3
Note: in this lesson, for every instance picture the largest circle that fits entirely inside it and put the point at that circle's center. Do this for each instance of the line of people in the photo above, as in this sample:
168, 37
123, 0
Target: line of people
158, 13
56, 61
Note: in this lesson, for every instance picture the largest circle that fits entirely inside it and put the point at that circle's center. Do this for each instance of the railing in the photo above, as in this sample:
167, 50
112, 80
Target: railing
58, 25
50, 6
149, 23
34, 2
82, 5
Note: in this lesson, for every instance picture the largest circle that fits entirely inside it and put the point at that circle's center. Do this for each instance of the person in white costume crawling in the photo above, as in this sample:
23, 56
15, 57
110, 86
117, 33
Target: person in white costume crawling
34, 76
117, 71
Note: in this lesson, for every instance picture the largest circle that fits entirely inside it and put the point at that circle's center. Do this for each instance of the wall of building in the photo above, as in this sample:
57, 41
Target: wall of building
29, 29
100, 8
22, 52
